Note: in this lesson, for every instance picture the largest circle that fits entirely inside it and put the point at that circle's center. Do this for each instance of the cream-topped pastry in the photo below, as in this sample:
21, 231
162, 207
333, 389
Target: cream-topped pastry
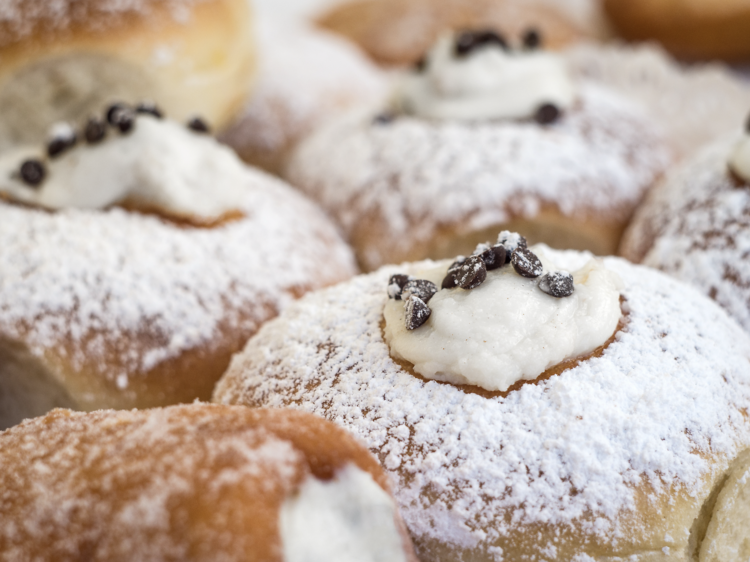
475, 75
155, 164
739, 160
506, 329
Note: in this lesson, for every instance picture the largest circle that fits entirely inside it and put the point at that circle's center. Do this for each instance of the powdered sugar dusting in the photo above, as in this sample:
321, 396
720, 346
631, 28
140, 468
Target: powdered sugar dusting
147, 290
665, 395
416, 176
305, 76
696, 226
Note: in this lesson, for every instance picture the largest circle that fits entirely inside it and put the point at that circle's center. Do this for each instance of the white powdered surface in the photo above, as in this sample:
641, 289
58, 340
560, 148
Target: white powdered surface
693, 105
104, 279
416, 176
305, 76
660, 408
696, 226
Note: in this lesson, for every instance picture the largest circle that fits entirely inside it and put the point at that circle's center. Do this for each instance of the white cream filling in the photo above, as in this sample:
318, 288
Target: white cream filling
346, 519
739, 161
506, 329
488, 83
160, 164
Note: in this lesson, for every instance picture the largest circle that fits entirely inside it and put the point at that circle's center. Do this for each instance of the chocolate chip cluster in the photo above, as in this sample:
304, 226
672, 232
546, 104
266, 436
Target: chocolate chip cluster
118, 116
470, 272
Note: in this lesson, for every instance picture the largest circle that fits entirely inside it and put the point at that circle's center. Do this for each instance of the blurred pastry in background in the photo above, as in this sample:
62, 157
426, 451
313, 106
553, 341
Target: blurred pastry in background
61, 58
695, 225
689, 29
305, 77
137, 255
492, 132
199, 482
399, 32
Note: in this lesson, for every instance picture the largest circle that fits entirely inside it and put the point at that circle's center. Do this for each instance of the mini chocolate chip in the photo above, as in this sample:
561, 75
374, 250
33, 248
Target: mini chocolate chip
124, 120
58, 145
112, 110
449, 281
510, 241
95, 130
396, 285
416, 312
33, 172
547, 113
532, 39
471, 273
557, 284
149, 108
468, 41
526, 263
421, 288
421, 64
384, 118
494, 257
198, 125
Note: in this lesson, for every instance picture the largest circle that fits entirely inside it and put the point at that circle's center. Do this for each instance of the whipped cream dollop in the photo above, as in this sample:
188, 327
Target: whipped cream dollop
159, 165
739, 160
347, 518
490, 82
506, 329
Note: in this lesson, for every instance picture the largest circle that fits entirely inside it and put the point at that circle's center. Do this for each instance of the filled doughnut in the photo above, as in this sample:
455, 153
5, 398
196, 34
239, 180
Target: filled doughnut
491, 132
695, 225
528, 403
136, 259
64, 57
198, 482
303, 79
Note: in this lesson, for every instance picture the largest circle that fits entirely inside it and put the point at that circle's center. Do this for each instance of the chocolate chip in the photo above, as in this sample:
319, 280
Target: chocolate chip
112, 110
416, 312
532, 39
33, 172
149, 108
510, 241
494, 257
468, 41
198, 125
384, 118
450, 279
59, 144
557, 284
396, 285
421, 288
421, 64
471, 273
526, 263
95, 130
547, 113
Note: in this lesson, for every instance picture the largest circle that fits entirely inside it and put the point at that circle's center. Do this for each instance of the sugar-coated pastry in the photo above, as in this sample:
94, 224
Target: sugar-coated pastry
693, 29
695, 225
305, 76
484, 136
198, 482
528, 403
135, 263
60, 58
398, 32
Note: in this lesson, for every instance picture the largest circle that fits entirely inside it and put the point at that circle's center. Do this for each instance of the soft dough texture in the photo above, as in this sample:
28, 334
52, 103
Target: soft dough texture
695, 225
119, 309
62, 57
198, 482
412, 188
613, 459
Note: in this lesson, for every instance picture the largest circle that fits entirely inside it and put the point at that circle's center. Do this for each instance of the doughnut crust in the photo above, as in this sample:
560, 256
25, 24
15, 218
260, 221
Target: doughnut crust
693, 29
62, 58
611, 459
695, 225
119, 309
411, 188
199, 482
399, 32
